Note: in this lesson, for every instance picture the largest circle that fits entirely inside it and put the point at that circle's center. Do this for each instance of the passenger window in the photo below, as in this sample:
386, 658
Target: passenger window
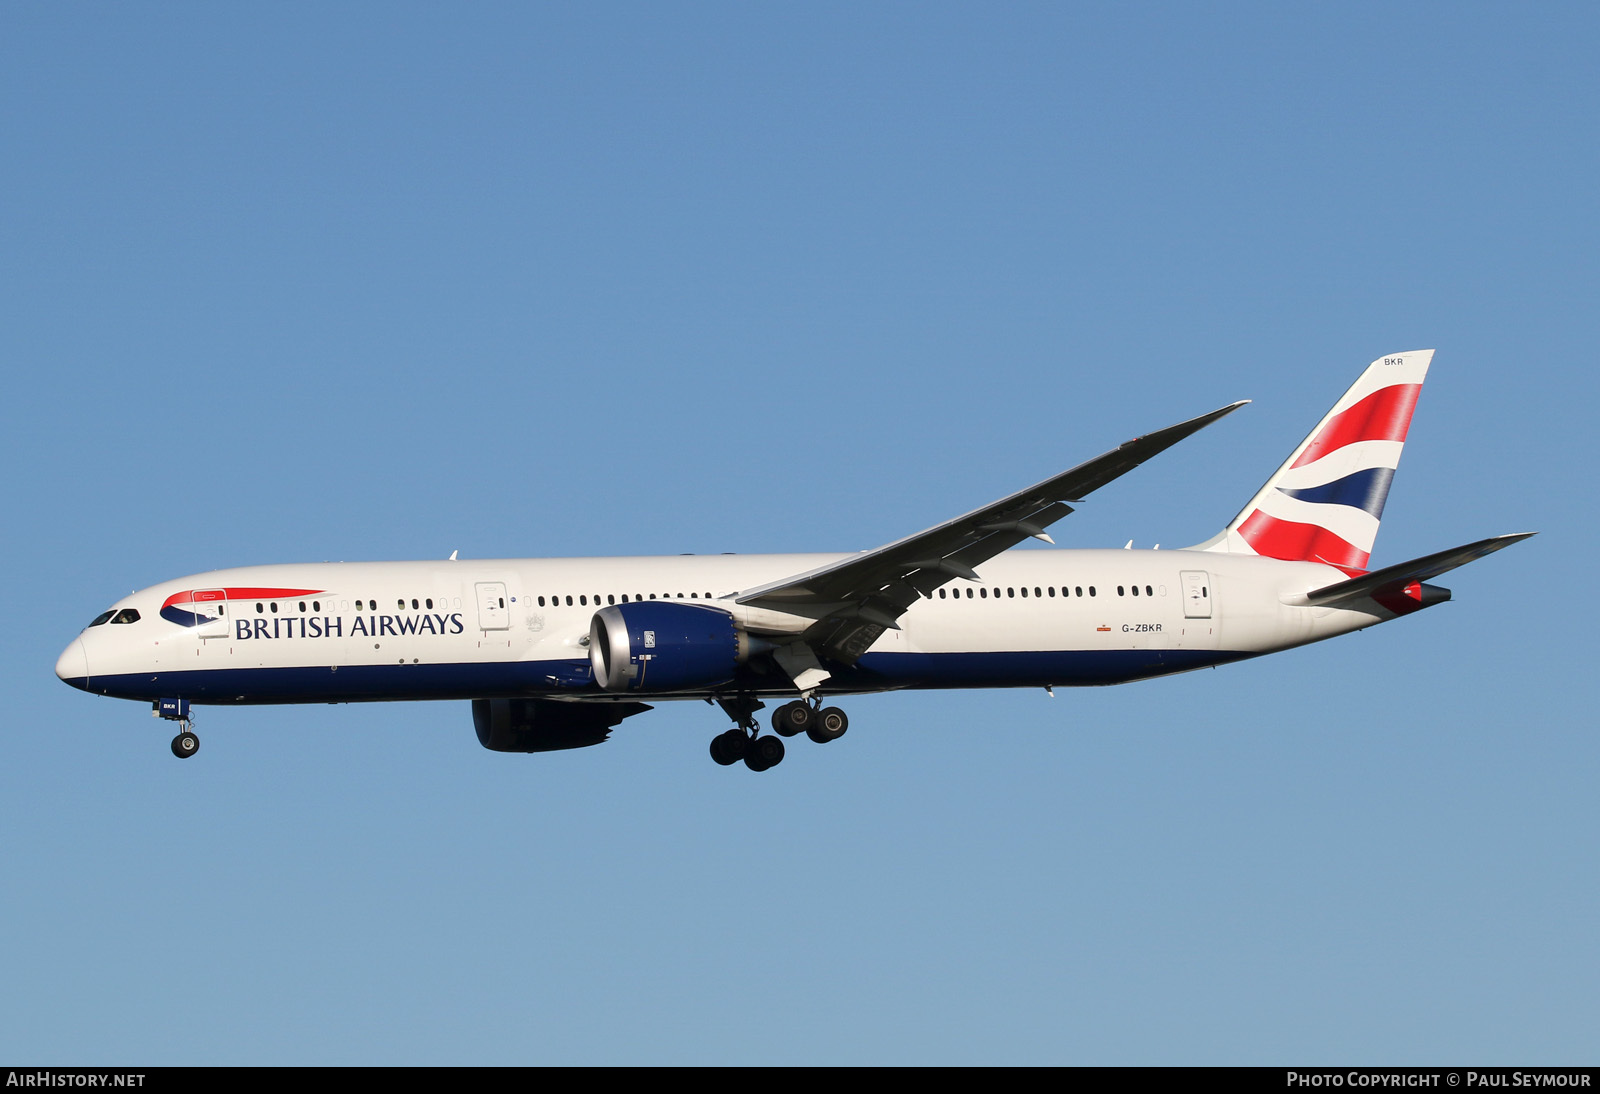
413, 603
1136, 590
1120, 591
1091, 590
569, 601
102, 618
1024, 592
984, 593
302, 605
274, 606
611, 598
583, 599
1147, 591
1036, 592
941, 594
969, 592
1051, 590
260, 607
316, 605
126, 615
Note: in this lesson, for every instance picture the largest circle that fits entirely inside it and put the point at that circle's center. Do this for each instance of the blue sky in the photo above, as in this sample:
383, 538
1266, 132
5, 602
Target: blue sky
391, 280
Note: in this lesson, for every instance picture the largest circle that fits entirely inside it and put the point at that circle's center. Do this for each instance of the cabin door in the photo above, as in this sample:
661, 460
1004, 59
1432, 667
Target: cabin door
1196, 585
494, 614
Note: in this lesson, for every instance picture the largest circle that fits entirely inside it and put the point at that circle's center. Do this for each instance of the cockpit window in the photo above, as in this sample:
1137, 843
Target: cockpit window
127, 615
102, 617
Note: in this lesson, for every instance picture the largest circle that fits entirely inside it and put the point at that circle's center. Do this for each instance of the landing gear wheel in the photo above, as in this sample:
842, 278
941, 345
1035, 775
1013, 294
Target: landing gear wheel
764, 752
730, 747
792, 718
185, 744
828, 725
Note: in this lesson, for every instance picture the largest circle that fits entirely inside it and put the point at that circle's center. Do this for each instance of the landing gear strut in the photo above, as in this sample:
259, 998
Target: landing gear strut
186, 743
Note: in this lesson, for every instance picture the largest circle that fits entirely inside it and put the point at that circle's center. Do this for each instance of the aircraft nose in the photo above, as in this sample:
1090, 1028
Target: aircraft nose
73, 664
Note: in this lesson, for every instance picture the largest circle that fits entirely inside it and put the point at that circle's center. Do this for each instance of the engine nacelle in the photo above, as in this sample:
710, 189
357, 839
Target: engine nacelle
660, 645
545, 725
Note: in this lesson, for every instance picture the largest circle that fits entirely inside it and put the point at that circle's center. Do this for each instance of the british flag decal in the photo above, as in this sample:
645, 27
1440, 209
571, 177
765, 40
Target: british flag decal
1325, 502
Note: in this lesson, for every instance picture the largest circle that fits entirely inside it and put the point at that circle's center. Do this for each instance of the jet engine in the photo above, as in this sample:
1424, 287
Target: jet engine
545, 725
659, 645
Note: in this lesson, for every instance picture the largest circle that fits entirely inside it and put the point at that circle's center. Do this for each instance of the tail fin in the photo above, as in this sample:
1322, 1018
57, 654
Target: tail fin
1325, 502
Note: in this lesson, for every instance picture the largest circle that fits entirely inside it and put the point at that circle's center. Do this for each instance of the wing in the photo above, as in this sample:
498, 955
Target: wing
856, 599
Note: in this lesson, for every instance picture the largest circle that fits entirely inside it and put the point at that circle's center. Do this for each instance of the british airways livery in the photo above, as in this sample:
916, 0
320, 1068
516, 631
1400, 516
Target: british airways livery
555, 653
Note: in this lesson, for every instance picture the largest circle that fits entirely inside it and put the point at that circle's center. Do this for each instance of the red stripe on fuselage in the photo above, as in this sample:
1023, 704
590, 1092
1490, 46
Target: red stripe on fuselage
1294, 542
1385, 415
211, 595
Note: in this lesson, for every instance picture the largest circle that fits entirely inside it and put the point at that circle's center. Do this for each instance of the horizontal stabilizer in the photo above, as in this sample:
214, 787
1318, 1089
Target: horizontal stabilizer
1392, 581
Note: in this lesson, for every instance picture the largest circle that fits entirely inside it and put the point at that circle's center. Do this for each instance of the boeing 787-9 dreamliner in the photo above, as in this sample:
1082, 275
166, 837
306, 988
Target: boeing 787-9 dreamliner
555, 653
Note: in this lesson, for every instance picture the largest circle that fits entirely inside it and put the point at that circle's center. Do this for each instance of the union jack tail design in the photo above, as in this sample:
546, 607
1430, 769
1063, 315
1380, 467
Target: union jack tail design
1325, 502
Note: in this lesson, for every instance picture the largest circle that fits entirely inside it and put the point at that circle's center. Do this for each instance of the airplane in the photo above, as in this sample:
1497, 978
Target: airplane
555, 653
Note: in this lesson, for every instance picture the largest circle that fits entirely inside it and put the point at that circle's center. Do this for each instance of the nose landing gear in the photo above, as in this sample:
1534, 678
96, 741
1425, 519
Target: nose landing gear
186, 743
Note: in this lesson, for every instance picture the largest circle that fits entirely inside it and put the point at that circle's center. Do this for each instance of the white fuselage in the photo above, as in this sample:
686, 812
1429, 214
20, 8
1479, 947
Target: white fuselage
339, 632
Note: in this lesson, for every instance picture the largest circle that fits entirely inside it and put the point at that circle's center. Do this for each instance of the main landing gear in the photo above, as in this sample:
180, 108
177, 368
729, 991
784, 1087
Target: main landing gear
186, 743
744, 741
822, 724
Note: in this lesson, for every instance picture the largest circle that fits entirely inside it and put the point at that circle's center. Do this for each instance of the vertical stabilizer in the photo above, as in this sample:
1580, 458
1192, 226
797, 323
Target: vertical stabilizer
1325, 502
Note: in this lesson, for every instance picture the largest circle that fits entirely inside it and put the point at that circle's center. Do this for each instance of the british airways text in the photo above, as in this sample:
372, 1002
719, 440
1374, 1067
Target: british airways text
334, 626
